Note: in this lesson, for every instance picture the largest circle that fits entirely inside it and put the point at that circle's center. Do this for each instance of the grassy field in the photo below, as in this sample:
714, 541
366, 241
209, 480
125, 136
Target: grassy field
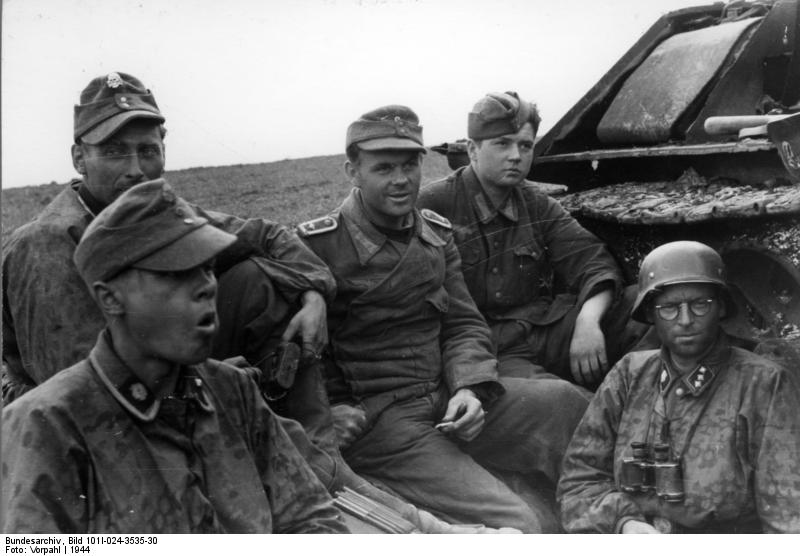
287, 191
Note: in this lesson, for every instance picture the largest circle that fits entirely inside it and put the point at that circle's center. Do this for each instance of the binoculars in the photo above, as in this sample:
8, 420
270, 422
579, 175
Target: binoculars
660, 473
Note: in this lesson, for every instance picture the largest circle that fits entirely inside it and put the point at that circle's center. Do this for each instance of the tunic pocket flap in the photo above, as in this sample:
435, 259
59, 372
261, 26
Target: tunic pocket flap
440, 300
528, 250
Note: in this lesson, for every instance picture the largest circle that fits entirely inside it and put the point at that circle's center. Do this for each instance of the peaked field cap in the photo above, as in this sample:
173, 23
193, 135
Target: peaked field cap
392, 127
499, 114
109, 102
147, 227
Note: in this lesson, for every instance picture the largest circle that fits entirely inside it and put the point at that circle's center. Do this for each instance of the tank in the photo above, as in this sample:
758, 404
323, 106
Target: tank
695, 134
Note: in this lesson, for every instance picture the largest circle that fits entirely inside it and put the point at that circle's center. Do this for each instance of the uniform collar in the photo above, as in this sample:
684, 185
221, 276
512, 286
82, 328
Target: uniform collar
368, 240
704, 374
86, 199
78, 188
483, 205
132, 393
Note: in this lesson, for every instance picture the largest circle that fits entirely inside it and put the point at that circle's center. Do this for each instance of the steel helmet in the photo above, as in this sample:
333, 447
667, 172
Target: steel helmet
680, 262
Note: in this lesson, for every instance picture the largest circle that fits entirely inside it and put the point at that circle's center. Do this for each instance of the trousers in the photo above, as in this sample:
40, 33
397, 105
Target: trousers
253, 315
527, 430
526, 350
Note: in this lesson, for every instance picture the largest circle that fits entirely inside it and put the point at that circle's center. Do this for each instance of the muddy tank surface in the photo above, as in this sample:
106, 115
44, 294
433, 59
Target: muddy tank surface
695, 134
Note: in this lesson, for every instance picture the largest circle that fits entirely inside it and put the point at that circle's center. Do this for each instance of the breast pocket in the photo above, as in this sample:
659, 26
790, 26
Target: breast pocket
439, 301
470, 257
532, 268
528, 259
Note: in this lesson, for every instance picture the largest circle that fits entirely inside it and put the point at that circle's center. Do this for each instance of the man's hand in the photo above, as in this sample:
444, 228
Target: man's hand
636, 527
464, 416
311, 323
349, 422
587, 350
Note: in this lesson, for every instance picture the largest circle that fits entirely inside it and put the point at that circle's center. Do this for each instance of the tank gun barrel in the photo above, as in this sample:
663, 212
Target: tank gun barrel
723, 125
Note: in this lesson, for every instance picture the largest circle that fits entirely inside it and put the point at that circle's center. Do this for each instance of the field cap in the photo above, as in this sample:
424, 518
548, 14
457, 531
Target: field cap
109, 102
499, 114
392, 127
147, 227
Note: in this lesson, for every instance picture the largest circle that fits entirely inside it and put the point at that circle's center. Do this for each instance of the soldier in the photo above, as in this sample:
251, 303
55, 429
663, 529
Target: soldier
146, 434
697, 437
49, 319
412, 369
516, 243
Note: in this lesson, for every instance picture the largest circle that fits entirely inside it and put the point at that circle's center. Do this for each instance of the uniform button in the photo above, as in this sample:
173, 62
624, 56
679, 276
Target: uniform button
495, 270
497, 295
123, 99
679, 391
496, 244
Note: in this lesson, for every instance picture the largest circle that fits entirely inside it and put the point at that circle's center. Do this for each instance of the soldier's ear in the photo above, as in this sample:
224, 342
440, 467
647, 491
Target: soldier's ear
472, 149
351, 170
78, 161
109, 298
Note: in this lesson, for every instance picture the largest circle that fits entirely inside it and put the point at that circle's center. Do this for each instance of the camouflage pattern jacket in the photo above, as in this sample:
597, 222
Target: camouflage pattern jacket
734, 421
511, 255
51, 322
93, 451
403, 323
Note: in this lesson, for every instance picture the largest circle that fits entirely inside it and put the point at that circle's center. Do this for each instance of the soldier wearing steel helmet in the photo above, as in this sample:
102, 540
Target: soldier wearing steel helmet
698, 436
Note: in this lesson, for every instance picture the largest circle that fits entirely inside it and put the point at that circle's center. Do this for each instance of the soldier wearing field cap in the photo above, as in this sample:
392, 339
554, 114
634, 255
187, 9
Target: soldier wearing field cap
411, 373
271, 286
50, 321
550, 290
146, 434
697, 437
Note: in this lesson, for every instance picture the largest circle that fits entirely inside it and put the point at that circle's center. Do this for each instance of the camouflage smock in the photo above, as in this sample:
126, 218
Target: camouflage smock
511, 254
737, 427
51, 322
92, 451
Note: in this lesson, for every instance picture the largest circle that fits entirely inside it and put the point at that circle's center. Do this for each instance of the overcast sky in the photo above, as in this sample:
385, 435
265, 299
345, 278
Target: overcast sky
244, 81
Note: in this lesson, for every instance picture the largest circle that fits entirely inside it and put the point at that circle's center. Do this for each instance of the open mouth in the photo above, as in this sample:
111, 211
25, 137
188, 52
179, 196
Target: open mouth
208, 322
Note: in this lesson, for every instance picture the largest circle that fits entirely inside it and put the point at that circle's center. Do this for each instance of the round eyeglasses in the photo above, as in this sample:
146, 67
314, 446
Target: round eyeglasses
698, 307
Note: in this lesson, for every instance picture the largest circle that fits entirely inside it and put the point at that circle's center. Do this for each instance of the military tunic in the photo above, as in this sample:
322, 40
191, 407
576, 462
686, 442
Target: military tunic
49, 319
92, 451
734, 422
528, 265
405, 335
